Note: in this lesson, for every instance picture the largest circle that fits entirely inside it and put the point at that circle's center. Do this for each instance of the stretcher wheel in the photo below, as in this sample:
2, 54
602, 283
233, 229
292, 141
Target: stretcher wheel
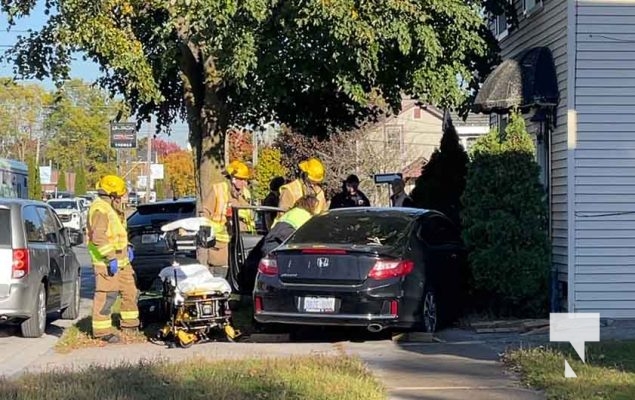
184, 345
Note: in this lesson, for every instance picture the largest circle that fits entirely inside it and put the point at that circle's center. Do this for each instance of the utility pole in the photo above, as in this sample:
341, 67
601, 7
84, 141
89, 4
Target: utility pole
149, 160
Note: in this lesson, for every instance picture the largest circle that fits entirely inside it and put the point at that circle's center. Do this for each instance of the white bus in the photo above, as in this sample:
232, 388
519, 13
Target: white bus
13, 179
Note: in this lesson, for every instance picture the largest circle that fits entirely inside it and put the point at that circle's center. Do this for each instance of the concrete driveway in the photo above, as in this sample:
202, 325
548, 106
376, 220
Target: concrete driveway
17, 352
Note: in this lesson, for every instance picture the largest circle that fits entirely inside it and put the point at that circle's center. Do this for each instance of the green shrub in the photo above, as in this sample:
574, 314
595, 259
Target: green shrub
80, 181
505, 225
61, 181
268, 167
33, 183
442, 179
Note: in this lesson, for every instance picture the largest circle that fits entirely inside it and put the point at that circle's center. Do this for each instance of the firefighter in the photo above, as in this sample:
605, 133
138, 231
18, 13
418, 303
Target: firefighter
231, 191
290, 221
110, 255
311, 176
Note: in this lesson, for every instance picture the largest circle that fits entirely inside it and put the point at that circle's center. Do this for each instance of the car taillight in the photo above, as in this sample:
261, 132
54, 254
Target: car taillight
268, 266
20, 267
323, 251
258, 304
385, 269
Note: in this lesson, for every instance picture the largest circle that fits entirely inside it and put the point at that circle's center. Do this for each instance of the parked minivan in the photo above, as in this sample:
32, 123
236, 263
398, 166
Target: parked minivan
39, 271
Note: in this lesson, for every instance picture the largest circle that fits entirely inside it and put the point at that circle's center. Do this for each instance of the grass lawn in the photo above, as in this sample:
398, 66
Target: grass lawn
79, 335
608, 374
295, 378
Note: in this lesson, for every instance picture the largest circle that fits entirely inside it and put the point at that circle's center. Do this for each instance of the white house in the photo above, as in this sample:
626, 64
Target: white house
570, 65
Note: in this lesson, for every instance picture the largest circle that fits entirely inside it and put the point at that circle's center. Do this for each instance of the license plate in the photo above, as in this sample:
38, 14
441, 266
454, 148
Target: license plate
319, 304
149, 238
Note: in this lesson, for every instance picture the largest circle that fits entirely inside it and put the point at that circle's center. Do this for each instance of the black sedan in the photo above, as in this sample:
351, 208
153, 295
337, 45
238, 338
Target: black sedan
365, 267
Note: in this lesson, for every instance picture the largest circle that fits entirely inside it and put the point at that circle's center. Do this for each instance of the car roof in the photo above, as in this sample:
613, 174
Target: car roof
168, 202
14, 203
384, 211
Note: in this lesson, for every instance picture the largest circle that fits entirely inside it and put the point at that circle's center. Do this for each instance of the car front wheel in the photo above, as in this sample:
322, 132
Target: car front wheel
34, 326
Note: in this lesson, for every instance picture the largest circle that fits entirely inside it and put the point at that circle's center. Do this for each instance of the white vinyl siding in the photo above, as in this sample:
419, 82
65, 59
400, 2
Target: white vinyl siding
547, 26
605, 159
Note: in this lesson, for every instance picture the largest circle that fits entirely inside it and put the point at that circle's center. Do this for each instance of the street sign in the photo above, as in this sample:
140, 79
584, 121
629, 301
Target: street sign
123, 135
156, 171
387, 178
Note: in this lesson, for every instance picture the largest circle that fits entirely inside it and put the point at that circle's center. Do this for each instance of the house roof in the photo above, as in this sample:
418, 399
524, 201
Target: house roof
413, 170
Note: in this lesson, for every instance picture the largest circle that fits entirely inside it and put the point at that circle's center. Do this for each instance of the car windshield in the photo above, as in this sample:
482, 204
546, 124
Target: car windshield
63, 205
156, 214
363, 229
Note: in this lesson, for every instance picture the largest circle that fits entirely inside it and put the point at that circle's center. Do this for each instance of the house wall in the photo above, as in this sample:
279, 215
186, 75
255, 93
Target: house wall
547, 26
604, 158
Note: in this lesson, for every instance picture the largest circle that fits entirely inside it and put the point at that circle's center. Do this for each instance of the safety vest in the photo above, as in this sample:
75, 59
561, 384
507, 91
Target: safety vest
296, 217
297, 187
219, 211
116, 233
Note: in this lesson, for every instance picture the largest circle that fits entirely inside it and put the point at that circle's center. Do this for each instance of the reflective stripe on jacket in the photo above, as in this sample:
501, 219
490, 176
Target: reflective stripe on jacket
221, 195
107, 237
293, 191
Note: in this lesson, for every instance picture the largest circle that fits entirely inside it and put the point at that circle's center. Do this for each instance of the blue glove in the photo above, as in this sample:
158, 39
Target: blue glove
113, 267
130, 253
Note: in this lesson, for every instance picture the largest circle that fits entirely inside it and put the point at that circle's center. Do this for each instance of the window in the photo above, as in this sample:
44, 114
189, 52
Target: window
378, 229
64, 205
501, 122
437, 231
417, 113
501, 27
50, 224
5, 227
33, 225
393, 137
158, 214
531, 5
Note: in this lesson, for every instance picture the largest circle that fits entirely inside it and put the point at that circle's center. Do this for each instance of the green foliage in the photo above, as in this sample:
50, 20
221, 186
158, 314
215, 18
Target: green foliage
505, 223
442, 179
61, 181
80, 181
159, 188
269, 166
33, 183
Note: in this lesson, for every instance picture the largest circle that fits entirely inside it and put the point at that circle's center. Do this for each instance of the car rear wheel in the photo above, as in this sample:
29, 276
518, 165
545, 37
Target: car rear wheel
430, 309
72, 311
34, 326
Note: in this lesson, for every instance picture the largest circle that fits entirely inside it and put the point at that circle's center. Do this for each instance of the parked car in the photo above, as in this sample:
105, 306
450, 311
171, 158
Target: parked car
133, 199
365, 267
144, 233
40, 272
72, 214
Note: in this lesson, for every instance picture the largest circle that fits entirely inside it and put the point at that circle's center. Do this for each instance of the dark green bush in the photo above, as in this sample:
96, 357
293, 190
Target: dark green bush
505, 224
442, 179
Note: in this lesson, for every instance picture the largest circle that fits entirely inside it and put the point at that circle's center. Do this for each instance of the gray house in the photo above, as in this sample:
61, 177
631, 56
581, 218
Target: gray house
570, 66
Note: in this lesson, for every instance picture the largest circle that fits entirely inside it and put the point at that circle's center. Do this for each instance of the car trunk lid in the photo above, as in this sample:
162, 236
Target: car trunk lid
332, 265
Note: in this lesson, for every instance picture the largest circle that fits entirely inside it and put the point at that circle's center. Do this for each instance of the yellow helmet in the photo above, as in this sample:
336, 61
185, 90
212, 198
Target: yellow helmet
238, 169
313, 168
112, 185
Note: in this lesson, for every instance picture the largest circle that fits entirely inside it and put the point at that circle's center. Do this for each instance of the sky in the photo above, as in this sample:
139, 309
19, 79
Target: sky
85, 70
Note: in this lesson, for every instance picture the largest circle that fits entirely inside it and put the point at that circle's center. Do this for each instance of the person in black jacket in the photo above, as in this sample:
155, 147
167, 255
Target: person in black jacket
272, 200
350, 196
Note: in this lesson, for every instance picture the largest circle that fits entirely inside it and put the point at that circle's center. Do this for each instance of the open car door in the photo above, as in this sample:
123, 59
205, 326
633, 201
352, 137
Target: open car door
244, 249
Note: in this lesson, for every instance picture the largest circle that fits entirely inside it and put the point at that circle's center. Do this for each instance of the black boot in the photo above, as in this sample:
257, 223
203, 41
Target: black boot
110, 338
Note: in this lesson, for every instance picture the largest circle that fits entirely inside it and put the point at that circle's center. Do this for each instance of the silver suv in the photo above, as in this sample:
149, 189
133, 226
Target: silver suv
39, 271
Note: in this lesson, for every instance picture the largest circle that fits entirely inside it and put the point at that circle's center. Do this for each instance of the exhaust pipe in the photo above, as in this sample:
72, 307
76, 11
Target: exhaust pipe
3, 318
374, 328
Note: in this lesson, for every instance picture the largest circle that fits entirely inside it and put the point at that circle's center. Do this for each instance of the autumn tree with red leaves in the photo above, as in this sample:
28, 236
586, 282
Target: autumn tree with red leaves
240, 146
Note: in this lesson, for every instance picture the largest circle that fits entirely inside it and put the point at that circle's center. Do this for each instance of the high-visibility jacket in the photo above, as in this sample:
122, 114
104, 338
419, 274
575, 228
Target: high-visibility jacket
219, 211
293, 191
296, 217
106, 242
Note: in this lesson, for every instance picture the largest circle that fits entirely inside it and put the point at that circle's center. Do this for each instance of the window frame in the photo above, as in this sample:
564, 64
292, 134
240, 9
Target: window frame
529, 11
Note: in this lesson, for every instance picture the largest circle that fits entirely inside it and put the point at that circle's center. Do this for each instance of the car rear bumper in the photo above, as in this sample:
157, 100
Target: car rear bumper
361, 306
18, 304
299, 318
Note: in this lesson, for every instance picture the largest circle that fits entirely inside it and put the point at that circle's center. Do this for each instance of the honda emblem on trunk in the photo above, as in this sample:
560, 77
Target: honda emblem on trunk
322, 262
